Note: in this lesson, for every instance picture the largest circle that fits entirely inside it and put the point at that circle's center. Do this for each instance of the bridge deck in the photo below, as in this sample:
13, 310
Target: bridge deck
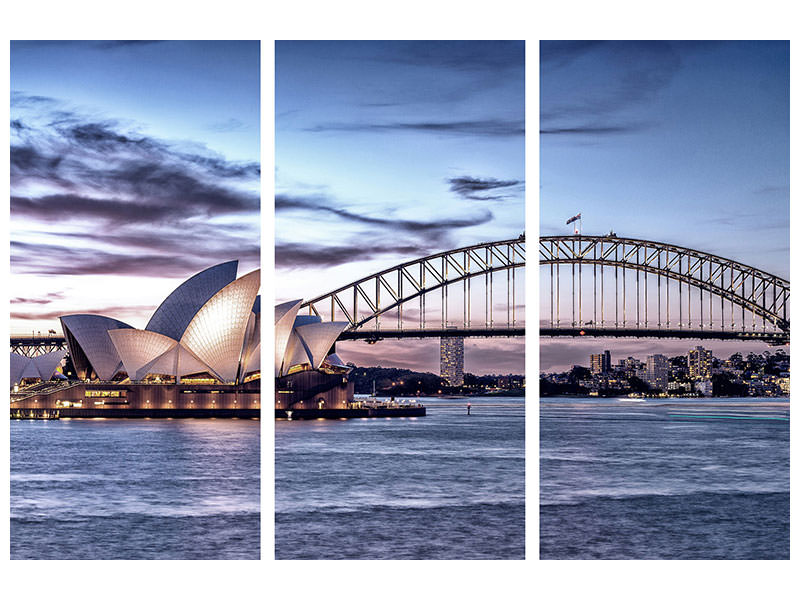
771, 337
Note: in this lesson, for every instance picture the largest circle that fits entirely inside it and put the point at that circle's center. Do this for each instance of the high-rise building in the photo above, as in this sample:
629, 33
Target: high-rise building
600, 363
451, 365
657, 374
699, 363
631, 367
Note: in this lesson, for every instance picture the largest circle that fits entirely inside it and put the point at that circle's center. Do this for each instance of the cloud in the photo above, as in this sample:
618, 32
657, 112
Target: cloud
65, 207
108, 311
433, 229
478, 128
298, 255
44, 259
226, 126
71, 150
474, 188
21, 100
46, 300
159, 197
595, 130
205, 241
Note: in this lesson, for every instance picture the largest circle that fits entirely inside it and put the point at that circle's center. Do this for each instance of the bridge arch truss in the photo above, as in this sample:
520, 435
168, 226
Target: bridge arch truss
489, 267
641, 287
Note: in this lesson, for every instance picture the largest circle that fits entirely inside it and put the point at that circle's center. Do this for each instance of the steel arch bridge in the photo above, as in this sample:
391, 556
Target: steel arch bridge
406, 296
626, 287
36, 345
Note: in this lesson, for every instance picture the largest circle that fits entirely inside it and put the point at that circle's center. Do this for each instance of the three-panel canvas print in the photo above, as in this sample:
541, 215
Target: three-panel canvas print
395, 306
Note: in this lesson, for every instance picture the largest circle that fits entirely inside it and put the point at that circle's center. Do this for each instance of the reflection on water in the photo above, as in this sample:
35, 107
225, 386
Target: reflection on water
667, 478
446, 485
135, 489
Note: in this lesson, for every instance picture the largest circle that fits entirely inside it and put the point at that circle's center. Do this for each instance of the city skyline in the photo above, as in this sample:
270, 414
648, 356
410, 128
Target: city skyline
685, 143
615, 359
391, 151
118, 195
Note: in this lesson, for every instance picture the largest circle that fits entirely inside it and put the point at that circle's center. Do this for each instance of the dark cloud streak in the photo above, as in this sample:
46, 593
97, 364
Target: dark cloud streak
595, 130
478, 128
51, 297
474, 188
299, 255
285, 202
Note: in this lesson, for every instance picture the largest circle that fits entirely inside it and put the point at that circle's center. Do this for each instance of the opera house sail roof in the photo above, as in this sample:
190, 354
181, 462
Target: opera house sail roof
208, 326
175, 313
38, 367
303, 341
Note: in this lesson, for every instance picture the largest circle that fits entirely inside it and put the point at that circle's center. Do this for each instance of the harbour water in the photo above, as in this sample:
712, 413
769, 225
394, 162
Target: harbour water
444, 486
135, 489
664, 479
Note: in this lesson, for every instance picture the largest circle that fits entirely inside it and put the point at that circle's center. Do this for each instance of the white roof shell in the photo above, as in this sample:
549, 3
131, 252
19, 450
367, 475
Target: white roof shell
177, 310
216, 334
318, 339
284, 320
178, 362
90, 332
38, 367
138, 347
309, 343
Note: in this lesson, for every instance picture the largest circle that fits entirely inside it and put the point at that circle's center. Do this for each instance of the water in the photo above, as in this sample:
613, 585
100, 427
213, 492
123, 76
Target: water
135, 489
443, 486
664, 479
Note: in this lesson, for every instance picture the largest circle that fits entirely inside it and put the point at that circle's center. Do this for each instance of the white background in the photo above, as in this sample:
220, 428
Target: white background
412, 19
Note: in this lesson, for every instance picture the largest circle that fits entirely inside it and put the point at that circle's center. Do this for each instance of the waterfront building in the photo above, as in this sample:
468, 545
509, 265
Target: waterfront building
657, 371
600, 363
207, 329
308, 373
311, 381
451, 360
199, 353
699, 361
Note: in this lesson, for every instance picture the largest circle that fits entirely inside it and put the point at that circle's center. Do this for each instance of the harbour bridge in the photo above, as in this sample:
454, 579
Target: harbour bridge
589, 285
625, 287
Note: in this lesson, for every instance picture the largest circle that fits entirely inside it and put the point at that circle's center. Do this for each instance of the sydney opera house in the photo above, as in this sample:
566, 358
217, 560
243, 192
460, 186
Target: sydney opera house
311, 381
199, 353
309, 376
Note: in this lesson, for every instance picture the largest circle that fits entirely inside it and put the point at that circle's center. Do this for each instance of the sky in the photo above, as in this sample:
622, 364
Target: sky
134, 165
678, 142
390, 151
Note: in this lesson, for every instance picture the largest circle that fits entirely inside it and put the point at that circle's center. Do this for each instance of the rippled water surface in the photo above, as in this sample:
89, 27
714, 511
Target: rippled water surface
664, 479
135, 489
444, 486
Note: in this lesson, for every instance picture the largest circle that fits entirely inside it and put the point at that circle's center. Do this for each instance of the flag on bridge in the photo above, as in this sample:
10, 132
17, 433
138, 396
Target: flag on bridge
575, 218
